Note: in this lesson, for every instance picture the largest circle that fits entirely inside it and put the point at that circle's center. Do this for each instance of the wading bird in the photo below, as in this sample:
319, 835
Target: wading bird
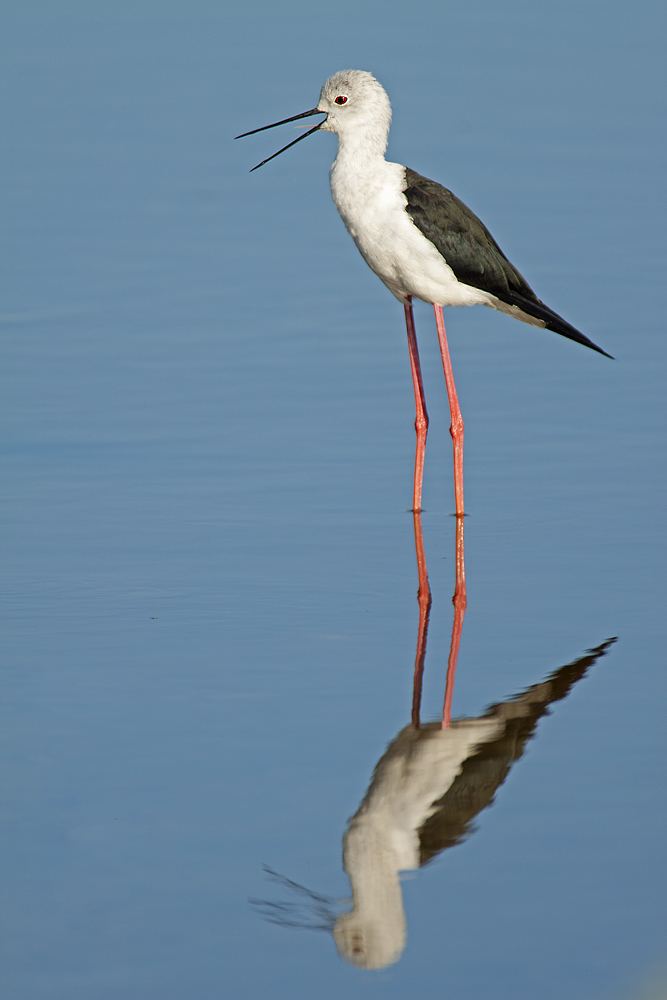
420, 240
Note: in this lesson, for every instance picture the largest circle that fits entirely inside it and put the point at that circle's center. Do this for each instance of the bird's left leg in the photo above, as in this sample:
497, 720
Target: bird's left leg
421, 417
424, 599
456, 429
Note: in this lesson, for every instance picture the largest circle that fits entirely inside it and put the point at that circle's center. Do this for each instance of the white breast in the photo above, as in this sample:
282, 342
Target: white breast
373, 207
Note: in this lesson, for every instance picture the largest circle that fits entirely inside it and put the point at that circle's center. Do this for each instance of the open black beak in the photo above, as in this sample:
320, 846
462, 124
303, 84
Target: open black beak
304, 114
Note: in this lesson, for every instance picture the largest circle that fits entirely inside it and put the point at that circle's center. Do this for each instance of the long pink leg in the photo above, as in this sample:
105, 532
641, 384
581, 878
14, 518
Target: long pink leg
421, 418
459, 601
424, 598
456, 429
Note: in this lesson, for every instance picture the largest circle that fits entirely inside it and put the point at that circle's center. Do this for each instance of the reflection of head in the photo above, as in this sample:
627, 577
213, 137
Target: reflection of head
369, 943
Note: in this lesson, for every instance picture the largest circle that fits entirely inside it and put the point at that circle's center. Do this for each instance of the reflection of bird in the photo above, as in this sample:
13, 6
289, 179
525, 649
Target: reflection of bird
417, 237
426, 790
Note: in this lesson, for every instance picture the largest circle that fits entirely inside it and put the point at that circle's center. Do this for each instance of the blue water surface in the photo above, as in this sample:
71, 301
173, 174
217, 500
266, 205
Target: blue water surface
209, 569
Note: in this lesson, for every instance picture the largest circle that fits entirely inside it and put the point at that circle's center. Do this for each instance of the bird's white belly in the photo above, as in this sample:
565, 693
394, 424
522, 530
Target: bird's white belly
375, 215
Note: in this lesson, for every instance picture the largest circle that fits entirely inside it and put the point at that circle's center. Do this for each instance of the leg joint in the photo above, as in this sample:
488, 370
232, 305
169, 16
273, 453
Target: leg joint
421, 423
456, 429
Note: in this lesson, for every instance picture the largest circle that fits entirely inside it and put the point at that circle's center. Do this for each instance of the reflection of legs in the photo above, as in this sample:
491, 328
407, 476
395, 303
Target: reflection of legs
459, 601
421, 418
424, 598
456, 429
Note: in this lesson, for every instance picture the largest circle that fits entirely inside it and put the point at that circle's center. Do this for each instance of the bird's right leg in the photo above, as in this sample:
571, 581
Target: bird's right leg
456, 429
459, 600
421, 418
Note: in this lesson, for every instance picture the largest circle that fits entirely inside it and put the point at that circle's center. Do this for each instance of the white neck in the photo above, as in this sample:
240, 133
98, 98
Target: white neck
363, 143
360, 173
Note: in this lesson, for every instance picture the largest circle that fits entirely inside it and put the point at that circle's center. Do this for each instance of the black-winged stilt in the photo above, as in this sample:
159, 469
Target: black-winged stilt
420, 240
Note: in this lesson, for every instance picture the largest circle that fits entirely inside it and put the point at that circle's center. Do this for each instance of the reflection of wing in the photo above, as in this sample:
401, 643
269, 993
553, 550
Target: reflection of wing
426, 789
484, 772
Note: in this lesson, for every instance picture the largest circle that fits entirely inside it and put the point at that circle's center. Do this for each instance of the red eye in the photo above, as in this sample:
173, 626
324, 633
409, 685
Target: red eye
340, 100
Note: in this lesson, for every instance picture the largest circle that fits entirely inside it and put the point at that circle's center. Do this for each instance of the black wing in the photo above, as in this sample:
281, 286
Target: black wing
473, 254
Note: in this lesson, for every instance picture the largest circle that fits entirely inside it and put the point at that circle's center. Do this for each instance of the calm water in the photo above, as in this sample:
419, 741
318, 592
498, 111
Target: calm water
209, 569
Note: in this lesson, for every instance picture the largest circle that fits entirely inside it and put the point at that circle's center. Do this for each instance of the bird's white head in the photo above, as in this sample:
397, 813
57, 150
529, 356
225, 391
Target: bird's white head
356, 104
356, 108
